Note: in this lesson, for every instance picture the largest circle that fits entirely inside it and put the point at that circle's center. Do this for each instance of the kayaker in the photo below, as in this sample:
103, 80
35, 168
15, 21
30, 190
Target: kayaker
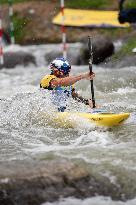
61, 84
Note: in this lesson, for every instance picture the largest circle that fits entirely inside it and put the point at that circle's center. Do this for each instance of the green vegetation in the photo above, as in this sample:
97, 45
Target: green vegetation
17, 1
116, 32
13, 1
84, 4
127, 47
87, 4
130, 4
19, 27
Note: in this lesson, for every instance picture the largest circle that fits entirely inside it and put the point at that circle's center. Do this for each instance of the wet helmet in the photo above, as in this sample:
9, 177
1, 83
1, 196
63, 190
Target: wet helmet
61, 64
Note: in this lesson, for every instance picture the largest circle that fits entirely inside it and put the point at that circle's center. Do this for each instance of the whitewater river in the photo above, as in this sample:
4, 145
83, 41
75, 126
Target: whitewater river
26, 134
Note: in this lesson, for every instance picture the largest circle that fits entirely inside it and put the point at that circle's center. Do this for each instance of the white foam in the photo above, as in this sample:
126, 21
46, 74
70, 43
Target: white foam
134, 50
125, 90
99, 200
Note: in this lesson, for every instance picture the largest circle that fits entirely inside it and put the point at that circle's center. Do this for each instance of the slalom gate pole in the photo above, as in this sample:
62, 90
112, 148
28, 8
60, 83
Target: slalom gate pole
1, 45
12, 38
63, 30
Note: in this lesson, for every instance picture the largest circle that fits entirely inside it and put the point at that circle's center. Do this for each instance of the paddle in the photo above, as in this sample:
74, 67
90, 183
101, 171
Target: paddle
90, 68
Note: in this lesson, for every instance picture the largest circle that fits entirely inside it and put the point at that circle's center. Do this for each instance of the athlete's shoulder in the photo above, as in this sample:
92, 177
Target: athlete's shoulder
45, 81
49, 77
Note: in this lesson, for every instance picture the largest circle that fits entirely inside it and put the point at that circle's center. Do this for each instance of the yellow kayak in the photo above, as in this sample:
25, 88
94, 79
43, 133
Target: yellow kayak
68, 119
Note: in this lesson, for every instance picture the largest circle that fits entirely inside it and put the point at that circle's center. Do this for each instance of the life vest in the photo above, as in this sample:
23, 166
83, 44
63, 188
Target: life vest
45, 82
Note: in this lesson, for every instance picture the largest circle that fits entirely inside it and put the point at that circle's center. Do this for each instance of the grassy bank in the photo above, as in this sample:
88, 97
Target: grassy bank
93, 4
12, 1
126, 49
84, 4
19, 27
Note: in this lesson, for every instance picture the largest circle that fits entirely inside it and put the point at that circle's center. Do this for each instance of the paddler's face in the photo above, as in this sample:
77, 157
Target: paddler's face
59, 74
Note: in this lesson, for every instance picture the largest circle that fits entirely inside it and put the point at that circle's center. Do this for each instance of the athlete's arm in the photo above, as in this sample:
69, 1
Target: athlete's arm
70, 80
76, 96
79, 98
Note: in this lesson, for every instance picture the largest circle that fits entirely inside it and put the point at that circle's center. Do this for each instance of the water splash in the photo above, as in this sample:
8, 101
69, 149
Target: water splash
99, 200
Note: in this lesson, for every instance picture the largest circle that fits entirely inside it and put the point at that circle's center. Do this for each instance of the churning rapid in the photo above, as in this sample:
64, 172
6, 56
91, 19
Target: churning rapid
25, 133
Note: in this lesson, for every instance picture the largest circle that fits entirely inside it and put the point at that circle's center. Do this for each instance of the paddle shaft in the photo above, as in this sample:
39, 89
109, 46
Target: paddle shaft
90, 68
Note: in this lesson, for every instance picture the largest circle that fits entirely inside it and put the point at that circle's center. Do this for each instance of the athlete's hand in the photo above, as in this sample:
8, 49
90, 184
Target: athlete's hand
88, 76
91, 104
